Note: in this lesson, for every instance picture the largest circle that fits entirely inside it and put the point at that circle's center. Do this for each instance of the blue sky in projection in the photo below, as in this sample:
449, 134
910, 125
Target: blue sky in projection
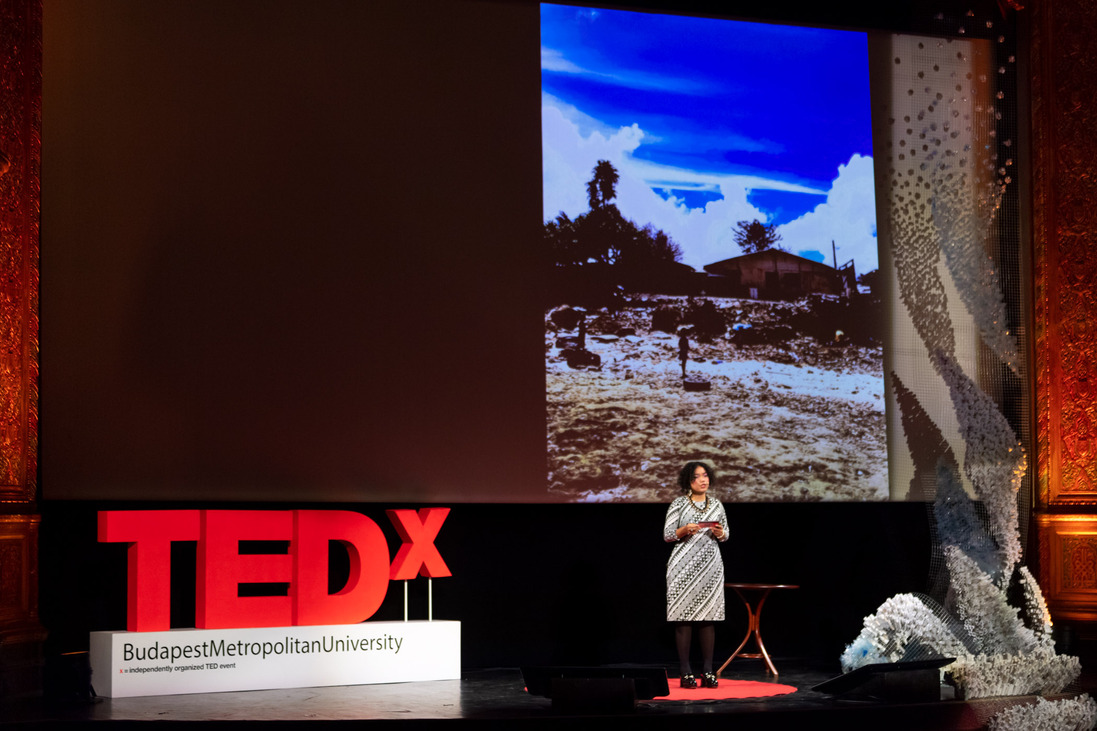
710, 122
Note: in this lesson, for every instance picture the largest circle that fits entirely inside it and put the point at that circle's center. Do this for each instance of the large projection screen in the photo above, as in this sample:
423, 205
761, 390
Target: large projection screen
775, 248
761, 356
304, 251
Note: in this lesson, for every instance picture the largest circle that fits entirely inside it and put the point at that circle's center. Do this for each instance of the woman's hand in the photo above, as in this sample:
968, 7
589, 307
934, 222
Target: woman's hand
718, 532
687, 530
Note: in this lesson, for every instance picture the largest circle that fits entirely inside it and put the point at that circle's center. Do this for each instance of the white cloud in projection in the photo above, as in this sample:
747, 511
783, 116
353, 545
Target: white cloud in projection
695, 150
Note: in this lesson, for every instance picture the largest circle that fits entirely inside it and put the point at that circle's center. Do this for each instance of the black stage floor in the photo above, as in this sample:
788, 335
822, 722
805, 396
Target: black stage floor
496, 698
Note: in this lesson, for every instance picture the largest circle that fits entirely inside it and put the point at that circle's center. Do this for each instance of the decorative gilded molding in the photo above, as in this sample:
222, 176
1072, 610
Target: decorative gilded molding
1079, 562
1064, 114
20, 189
1068, 571
19, 579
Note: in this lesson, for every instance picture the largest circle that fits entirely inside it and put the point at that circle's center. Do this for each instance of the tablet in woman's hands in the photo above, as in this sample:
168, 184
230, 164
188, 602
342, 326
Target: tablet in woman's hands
709, 523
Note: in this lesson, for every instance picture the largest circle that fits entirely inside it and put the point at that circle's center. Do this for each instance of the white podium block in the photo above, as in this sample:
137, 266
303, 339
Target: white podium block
126, 664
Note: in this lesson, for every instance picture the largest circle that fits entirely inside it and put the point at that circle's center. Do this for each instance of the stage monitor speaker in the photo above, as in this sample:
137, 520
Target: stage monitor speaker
67, 678
597, 689
917, 681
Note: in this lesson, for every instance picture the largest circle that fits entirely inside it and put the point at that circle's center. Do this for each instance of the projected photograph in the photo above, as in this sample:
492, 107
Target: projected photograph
711, 259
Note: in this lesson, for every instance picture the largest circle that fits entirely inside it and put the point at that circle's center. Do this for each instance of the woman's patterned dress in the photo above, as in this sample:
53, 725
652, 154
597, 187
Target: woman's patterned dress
695, 571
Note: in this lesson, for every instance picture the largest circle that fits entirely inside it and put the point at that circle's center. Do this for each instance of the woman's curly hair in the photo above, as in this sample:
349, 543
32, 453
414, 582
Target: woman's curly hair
685, 477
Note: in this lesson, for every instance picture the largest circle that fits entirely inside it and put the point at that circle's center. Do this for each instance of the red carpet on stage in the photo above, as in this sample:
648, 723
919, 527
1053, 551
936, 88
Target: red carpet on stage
727, 690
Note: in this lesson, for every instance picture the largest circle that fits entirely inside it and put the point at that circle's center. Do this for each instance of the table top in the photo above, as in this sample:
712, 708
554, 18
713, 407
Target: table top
732, 585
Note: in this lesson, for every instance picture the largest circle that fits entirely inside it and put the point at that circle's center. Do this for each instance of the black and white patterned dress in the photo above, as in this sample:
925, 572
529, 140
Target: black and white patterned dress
695, 571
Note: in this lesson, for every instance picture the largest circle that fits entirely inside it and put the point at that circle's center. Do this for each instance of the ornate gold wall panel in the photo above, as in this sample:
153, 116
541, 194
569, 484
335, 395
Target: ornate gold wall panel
20, 154
21, 634
1064, 206
1064, 153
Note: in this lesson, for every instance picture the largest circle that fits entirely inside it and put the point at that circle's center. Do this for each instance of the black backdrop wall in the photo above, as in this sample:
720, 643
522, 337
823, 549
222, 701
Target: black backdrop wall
577, 584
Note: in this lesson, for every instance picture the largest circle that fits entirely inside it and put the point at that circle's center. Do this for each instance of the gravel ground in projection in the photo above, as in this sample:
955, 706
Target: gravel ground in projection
789, 416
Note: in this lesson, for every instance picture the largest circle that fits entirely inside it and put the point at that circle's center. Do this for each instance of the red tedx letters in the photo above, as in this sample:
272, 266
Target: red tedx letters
149, 534
369, 558
418, 554
222, 568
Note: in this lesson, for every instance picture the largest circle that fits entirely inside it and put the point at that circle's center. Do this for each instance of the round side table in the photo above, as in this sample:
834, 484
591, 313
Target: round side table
754, 597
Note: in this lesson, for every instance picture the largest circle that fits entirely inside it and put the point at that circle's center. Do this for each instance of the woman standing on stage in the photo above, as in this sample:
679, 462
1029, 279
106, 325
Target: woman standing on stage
695, 572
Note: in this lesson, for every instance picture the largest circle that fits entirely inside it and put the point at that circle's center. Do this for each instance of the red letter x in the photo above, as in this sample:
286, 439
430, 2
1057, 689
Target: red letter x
418, 533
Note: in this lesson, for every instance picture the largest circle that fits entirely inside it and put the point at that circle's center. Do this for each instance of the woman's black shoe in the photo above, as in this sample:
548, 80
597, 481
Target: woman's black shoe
689, 681
709, 680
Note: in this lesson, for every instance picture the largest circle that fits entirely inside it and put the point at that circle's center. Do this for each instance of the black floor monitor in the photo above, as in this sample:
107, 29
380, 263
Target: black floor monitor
603, 688
917, 680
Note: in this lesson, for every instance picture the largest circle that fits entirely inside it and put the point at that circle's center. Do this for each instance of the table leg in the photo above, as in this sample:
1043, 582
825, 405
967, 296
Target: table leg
754, 616
765, 655
734, 654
